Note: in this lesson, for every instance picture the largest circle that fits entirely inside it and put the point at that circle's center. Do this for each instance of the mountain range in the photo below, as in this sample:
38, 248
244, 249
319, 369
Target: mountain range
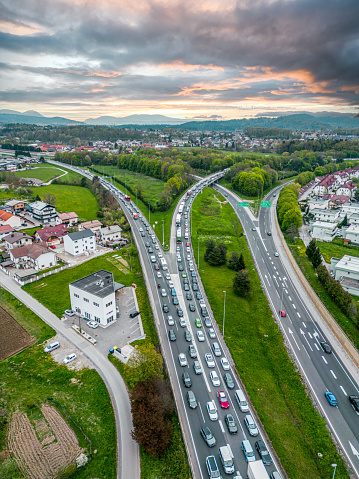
291, 120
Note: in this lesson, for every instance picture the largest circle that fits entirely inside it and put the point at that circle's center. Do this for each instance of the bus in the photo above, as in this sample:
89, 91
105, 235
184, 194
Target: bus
164, 264
178, 220
180, 209
179, 233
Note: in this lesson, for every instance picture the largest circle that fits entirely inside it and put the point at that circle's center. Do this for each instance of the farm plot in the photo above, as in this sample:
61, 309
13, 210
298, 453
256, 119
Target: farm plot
14, 337
45, 449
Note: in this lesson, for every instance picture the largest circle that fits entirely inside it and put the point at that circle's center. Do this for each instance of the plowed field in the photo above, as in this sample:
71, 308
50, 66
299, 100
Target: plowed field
13, 337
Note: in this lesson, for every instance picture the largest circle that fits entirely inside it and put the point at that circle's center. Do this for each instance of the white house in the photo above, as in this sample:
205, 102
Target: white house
17, 239
43, 212
94, 225
110, 233
93, 297
323, 230
349, 208
325, 215
319, 203
7, 218
34, 255
346, 270
347, 189
352, 234
354, 219
80, 242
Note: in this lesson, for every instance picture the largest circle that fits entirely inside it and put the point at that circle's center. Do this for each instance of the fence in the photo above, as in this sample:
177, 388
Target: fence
35, 278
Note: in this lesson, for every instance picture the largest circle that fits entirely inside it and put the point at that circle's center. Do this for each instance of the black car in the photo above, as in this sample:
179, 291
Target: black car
354, 401
147, 244
269, 233
263, 452
195, 287
189, 296
186, 378
175, 300
231, 424
198, 295
179, 312
180, 267
228, 380
134, 314
150, 250
187, 336
172, 335
326, 347
165, 308
191, 307
208, 437
185, 281
192, 351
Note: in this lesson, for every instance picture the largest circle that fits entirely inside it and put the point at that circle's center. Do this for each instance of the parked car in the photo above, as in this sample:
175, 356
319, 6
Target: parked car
134, 314
69, 312
92, 324
52, 346
69, 358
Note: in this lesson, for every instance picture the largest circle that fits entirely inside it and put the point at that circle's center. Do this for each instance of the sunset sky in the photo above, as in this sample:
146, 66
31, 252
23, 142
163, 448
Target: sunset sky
214, 59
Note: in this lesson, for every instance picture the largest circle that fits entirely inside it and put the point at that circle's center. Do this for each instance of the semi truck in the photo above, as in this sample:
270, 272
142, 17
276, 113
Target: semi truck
178, 220
256, 470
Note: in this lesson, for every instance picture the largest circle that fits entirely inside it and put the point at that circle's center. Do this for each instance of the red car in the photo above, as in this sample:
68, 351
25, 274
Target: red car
187, 244
53, 246
282, 313
223, 401
157, 267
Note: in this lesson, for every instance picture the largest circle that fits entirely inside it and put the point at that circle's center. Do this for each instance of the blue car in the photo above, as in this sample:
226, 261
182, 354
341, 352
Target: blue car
173, 292
332, 400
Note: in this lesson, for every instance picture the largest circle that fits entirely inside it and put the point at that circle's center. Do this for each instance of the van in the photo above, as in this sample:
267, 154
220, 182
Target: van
226, 456
52, 346
248, 451
216, 349
212, 468
241, 400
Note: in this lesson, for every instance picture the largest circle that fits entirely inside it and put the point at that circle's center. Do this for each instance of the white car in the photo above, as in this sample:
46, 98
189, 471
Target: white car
188, 257
170, 284
159, 274
209, 360
141, 230
69, 358
159, 254
170, 321
182, 359
163, 293
225, 363
157, 247
212, 410
69, 312
200, 336
201, 301
182, 322
215, 378
190, 263
188, 249
168, 276
92, 324
211, 333
276, 254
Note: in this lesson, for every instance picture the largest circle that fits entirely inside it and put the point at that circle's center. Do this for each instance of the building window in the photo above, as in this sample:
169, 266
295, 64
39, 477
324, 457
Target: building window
76, 295
98, 320
86, 300
96, 304
88, 315
110, 319
108, 304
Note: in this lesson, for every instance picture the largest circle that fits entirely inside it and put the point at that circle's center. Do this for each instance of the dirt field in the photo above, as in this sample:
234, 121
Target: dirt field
44, 446
13, 337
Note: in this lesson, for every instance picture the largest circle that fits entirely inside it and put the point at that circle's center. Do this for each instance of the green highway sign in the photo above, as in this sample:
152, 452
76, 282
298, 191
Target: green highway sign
243, 204
265, 204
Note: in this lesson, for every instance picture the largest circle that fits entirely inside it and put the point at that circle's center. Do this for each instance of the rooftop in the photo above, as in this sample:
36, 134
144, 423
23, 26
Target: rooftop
325, 224
13, 237
349, 264
81, 234
100, 284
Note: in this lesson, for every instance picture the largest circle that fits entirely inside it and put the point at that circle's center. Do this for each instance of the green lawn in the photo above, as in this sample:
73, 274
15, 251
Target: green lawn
256, 345
71, 198
336, 249
45, 174
30, 377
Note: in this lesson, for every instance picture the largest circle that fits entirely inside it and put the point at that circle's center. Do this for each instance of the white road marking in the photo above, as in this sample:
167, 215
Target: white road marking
294, 306
309, 335
326, 362
199, 405
303, 323
290, 299
221, 425
303, 334
291, 332
286, 291
272, 262
354, 451
298, 314
341, 387
275, 268
316, 345
334, 376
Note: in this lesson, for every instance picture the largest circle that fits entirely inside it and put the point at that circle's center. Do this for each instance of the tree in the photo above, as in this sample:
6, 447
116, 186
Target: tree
217, 256
241, 263
312, 246
144, 363
50, 199
316, 258
37, 198
83, 182
210, 245
233, 261
345, 221
241, 283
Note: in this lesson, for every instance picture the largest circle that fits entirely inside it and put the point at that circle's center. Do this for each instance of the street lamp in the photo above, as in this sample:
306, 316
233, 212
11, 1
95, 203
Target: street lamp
163, 233
149, 213
335, 468
224, 310
198, 254
281, 299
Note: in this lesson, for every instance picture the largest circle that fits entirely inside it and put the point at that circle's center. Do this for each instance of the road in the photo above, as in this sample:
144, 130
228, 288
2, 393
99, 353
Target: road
323, 372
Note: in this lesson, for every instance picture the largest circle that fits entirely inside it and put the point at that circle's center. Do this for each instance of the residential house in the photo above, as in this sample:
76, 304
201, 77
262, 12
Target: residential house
323, 230
34, 182
10, 219
347, 189
110, 234
34, 255
80, 242
69, 219
43, 212
319, 203
16, 239
94, 225
351, 234
325, 186
94, 297
5, 230
325, 215
346, 270
353, 219
14, 206
52, 235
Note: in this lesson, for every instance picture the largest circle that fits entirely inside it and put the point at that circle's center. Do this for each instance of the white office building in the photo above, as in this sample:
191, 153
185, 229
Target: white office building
346, 270
323, 230
351, 234
80, 242
325, 215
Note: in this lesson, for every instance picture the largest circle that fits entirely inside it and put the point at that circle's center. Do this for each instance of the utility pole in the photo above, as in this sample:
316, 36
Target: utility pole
224, 310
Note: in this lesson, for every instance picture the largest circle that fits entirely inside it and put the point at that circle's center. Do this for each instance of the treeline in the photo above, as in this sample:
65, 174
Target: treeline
257, 132
288, 210
251, 181
340, 148
19, 148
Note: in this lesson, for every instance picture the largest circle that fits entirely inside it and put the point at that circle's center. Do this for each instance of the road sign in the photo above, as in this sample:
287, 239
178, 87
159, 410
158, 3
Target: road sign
265, 204
242, 204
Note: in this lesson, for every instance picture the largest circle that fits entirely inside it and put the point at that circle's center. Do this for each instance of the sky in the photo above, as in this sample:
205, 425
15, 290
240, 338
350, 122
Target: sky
213, 59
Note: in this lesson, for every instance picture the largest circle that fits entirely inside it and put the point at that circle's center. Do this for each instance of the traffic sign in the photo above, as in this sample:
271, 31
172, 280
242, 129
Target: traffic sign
266, 204
242, 204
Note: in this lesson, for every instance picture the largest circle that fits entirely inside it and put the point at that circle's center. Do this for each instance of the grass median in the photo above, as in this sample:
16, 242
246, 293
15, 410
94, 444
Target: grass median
296, 430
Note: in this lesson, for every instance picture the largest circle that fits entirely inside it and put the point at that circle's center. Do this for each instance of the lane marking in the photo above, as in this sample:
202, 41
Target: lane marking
286, 291
199, 405
294, 306
309, 335
298, 314
290, 299
326, 362
303, 323
275, 268
291, 332
316, 345
221, 425
341, 387
334, 376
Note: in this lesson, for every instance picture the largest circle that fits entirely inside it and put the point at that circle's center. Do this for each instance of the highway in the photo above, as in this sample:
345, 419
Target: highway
323, 372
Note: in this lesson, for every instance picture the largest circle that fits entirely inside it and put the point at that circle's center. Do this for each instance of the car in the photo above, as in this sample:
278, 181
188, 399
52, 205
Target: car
354, 401
192, 351
200, 336
159, 274
150, 250
52, 246
186, 378
251, 425
156, 267
222, 398
282, 313
134, 314
175, 301
153, 241
69, 358
69, 312
194, 280
165, 308
184, 275
182, 322
198, 295
179, 259
197, 367
187, 244
193, 273
276, 254
92, 324
52, 346
191, 398
201, 302
185, 281
143, 234
188, 296
147, 244
187, 335
182, 359
186, 287
215, 378
263, 452
208, 437
225, 364
211, 333
207, 322
248, 451
170, 284
188, 257
195, 287
192, 307
212, 410
326, 347
159, 254
168, 276
228, 380
163, 293
170, 321
188, 250
269, 233
172, 335
179, 312
332, 400
178, 248
254, 229
231, 424
198, 323
180, 267
209, 360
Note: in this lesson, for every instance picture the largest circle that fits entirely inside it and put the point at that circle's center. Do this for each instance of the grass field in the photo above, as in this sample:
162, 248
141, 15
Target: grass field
45, 174
30, 377
71, 198
256, 345
336, 249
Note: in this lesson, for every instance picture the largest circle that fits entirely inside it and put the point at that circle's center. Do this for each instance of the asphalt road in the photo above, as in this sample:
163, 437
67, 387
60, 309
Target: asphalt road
323, 372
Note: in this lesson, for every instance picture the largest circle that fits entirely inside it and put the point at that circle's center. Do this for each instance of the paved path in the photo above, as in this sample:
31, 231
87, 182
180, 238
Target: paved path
127, 449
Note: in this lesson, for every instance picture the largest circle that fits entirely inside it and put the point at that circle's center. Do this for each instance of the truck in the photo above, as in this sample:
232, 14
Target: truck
128, 198
256, 470
135, 216
178, 220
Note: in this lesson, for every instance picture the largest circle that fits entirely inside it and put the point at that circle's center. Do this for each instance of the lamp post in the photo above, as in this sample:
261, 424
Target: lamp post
149, 213
198, 254
163, 233
335, 468
281, 299
224, 310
